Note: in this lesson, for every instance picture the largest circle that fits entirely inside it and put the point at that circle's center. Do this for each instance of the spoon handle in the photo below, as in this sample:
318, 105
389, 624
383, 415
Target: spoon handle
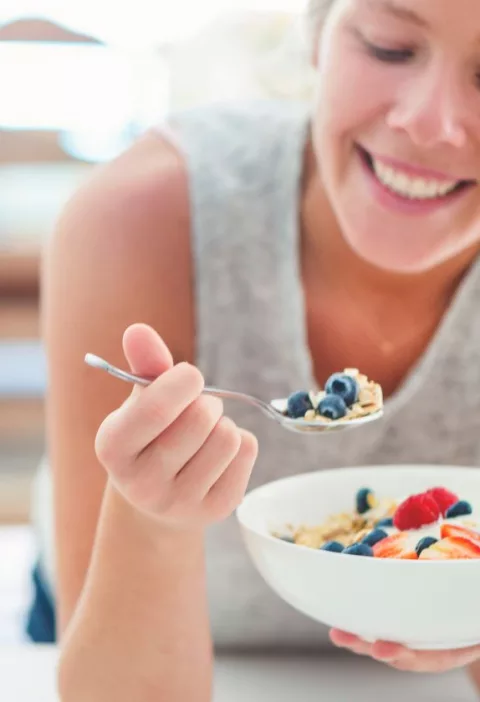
97, 362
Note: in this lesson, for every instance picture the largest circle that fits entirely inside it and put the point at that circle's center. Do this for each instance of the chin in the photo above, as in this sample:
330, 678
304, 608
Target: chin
397, 256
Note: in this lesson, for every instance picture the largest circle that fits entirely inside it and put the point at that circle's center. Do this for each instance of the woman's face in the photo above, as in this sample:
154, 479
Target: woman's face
397, 128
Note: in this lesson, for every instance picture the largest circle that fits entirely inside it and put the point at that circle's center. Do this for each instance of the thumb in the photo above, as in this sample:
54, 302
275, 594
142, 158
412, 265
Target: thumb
145, 351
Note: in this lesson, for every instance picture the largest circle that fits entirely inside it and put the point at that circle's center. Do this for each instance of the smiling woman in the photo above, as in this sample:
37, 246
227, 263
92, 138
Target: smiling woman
342, 216
414, 128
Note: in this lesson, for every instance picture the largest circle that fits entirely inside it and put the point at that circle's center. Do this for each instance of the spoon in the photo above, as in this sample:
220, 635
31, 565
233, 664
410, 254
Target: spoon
274, 410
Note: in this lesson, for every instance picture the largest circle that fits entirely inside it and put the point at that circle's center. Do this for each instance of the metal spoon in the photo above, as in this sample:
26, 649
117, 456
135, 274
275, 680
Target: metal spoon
274, 410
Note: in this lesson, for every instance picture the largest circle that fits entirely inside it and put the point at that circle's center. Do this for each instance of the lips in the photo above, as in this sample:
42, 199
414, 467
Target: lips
411, 183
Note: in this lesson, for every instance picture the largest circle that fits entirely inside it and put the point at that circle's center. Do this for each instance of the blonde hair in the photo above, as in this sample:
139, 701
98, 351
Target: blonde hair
286, 70
317, 11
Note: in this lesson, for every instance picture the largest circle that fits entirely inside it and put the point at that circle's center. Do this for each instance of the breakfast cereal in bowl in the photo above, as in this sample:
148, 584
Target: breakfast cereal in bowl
379, 551
432, 525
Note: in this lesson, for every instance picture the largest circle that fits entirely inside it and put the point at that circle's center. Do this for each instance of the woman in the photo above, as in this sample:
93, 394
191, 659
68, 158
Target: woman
269, 246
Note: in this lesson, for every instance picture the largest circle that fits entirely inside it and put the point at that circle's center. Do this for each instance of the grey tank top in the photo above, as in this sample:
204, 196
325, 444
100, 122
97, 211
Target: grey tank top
244, 164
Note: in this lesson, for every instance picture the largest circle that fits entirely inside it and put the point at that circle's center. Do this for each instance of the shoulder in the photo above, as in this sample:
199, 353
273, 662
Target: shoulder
122, 245
146, 182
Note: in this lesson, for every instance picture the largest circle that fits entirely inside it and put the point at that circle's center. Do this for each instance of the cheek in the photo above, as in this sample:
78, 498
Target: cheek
354, 94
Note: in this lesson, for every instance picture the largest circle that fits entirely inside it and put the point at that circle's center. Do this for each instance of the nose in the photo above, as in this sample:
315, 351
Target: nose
431, 109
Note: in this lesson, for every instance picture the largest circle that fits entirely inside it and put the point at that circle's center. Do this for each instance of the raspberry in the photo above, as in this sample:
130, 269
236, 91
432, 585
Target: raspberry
443, 497
416, 511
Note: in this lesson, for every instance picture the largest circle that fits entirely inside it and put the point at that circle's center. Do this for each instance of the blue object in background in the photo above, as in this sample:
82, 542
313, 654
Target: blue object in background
23, 369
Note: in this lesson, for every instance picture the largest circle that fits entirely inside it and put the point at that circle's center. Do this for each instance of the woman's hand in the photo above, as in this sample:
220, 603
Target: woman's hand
169, 450
402, 658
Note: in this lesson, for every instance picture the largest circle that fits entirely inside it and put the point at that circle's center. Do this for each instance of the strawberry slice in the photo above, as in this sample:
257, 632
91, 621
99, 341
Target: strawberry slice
443, 497
447, 530
416, 511
452, 547
395, 546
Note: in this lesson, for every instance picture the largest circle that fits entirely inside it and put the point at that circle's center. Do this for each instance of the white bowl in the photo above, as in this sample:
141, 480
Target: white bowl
421, 604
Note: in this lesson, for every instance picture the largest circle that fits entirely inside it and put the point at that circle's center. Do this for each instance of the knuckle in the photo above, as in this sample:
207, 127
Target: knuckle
220, 507
212, 408
206, 411
157, 407
221, 514
226, 500
249, 446
108, 445
243, 470
190, 374
156, 411
223, 509
228, 436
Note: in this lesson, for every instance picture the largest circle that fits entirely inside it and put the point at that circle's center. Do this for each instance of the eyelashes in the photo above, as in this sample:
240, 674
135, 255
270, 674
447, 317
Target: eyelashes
395, 56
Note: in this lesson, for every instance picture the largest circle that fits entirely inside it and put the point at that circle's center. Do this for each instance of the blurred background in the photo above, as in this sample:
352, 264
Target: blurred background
79, 80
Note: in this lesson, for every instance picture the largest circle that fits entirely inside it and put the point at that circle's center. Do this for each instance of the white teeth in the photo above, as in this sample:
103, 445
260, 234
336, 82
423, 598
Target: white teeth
412, 188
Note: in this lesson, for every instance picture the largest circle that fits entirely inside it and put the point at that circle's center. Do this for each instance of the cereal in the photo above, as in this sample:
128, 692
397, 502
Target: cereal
344, 527
433, 525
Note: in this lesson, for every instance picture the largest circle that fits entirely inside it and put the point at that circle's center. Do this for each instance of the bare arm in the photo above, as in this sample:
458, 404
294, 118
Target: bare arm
131, 580
175, 463
121, 254
141, 629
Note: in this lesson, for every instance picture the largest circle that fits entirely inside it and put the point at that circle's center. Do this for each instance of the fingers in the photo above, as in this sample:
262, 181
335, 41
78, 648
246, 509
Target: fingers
145, 351
208, 488
177, 445
436, 661
147, 354
129, 430
402, 658
343, 639
209, 463
169, 450
228, 491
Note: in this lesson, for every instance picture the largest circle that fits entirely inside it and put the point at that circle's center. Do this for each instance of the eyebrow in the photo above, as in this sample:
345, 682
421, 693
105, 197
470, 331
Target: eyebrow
403, 13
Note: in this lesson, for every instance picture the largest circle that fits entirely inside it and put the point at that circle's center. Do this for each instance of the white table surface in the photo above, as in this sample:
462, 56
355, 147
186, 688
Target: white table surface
27, 674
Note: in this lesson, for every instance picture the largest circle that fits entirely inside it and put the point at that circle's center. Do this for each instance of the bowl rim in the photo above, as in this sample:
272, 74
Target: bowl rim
393, 562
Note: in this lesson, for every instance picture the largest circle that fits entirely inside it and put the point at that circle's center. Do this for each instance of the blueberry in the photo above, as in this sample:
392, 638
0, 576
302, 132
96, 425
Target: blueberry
374, 537
343, 385
359, 550
365, 500
333, 547
425, 543
385, 522
459, 509
298, 404
332, 407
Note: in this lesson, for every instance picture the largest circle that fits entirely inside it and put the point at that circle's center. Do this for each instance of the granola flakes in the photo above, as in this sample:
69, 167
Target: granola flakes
347, 528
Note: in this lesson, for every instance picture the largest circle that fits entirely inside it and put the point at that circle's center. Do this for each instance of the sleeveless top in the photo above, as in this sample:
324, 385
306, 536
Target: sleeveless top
245, 164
